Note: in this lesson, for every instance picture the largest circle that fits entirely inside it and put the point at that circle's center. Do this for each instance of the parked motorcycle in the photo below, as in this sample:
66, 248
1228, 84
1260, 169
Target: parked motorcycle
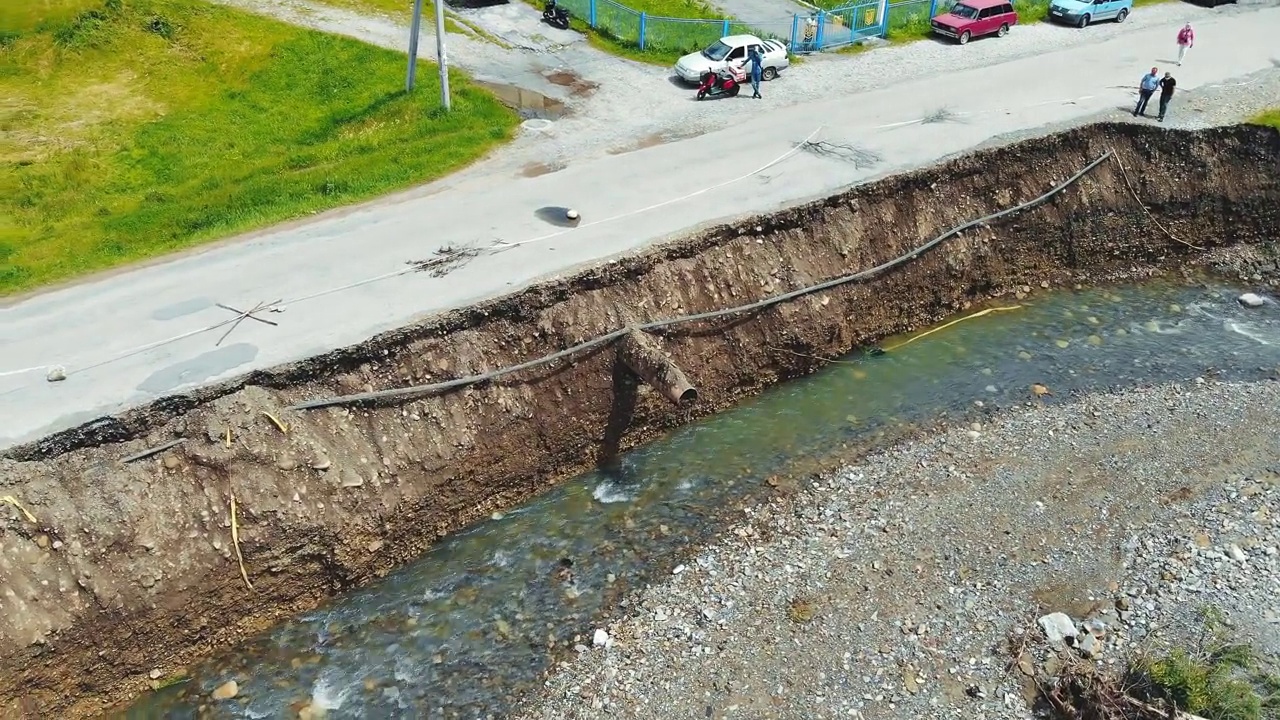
725, 83
555, 16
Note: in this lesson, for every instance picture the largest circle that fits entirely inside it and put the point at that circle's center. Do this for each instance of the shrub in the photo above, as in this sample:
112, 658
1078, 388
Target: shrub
85, 31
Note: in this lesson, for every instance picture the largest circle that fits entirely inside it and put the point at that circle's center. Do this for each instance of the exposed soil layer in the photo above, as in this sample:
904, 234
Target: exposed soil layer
130, 567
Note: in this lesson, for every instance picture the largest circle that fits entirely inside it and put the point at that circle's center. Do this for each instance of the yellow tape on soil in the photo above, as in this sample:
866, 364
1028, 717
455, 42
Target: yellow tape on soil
978, 314
235, 541
11, 500
276, 421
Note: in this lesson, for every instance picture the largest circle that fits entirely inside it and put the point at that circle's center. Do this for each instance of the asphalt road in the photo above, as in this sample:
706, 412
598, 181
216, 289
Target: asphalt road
102, 330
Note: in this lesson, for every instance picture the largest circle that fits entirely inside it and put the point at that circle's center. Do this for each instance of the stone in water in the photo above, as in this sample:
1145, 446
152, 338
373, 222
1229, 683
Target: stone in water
226, 691
1251, 300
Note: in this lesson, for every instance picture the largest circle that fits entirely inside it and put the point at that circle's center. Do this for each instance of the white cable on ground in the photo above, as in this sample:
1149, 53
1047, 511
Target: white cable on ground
23, 371
127, 353
664, 203
420, 390
503, 246
925, 120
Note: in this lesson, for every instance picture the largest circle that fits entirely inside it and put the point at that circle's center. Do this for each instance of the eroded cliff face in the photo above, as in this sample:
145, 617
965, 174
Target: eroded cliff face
132, 566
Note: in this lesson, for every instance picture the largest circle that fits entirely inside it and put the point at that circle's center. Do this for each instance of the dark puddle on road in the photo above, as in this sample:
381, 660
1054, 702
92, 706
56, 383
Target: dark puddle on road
527, 103
578, 86
653, 140
539, 169
466, 629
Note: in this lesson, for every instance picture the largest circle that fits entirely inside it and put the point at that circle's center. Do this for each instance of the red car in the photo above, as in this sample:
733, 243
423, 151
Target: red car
972, 18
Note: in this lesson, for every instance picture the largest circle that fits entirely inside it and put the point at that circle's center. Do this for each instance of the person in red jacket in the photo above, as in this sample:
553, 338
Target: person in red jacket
1186, 41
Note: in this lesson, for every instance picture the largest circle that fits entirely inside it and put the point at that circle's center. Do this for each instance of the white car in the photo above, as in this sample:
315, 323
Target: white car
732, 50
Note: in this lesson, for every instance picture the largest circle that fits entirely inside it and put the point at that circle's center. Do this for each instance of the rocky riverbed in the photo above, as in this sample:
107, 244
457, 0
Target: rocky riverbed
892, 589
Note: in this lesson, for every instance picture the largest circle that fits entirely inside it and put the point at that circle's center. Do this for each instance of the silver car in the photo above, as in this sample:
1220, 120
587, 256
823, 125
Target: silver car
732, 50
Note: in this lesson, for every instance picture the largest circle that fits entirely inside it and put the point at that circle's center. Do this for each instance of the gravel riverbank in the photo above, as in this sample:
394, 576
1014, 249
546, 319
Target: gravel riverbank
890, 589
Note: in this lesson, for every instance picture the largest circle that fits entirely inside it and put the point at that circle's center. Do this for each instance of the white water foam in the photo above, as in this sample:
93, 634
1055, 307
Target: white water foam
431, 595
393, 694
405, 672
1157, 327
606, 492
325, 695
1246, 330
1199, 309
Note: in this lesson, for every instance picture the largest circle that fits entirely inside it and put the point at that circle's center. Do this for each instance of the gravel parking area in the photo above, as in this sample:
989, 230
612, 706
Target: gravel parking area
644, 103
617, 105
891, 589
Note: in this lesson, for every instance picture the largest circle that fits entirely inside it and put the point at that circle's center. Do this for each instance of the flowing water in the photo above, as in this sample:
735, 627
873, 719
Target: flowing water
465, 629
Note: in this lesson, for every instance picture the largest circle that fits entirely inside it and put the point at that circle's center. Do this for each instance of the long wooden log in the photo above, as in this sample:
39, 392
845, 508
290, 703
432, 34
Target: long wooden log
640, 353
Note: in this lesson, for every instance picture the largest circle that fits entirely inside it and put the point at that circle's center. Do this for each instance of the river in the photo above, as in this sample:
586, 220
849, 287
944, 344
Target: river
463, 631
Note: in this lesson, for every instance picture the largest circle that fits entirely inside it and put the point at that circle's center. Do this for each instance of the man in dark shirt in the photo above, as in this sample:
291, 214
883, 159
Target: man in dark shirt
1167, 83
756, 60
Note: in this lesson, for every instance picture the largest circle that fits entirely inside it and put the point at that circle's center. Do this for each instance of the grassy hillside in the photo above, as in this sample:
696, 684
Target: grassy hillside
1270, 118
138, 127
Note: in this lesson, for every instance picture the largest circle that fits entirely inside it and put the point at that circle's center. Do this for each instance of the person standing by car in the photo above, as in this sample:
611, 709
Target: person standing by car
1186, 41
1167, 83
1148, 85
756, 60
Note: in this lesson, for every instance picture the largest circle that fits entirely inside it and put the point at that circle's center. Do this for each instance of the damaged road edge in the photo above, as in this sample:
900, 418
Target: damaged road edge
133, 567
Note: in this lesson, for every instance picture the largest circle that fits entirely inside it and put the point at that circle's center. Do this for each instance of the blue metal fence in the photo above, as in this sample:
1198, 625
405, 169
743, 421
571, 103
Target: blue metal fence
617, 20
681, 34
834, 28
820, 30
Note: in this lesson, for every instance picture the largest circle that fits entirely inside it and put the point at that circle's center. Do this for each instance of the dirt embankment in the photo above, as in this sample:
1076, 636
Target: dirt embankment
131, 567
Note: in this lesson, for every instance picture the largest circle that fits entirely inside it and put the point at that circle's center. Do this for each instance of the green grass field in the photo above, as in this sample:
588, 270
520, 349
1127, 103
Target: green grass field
27, 15
139, 127
1270, 118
